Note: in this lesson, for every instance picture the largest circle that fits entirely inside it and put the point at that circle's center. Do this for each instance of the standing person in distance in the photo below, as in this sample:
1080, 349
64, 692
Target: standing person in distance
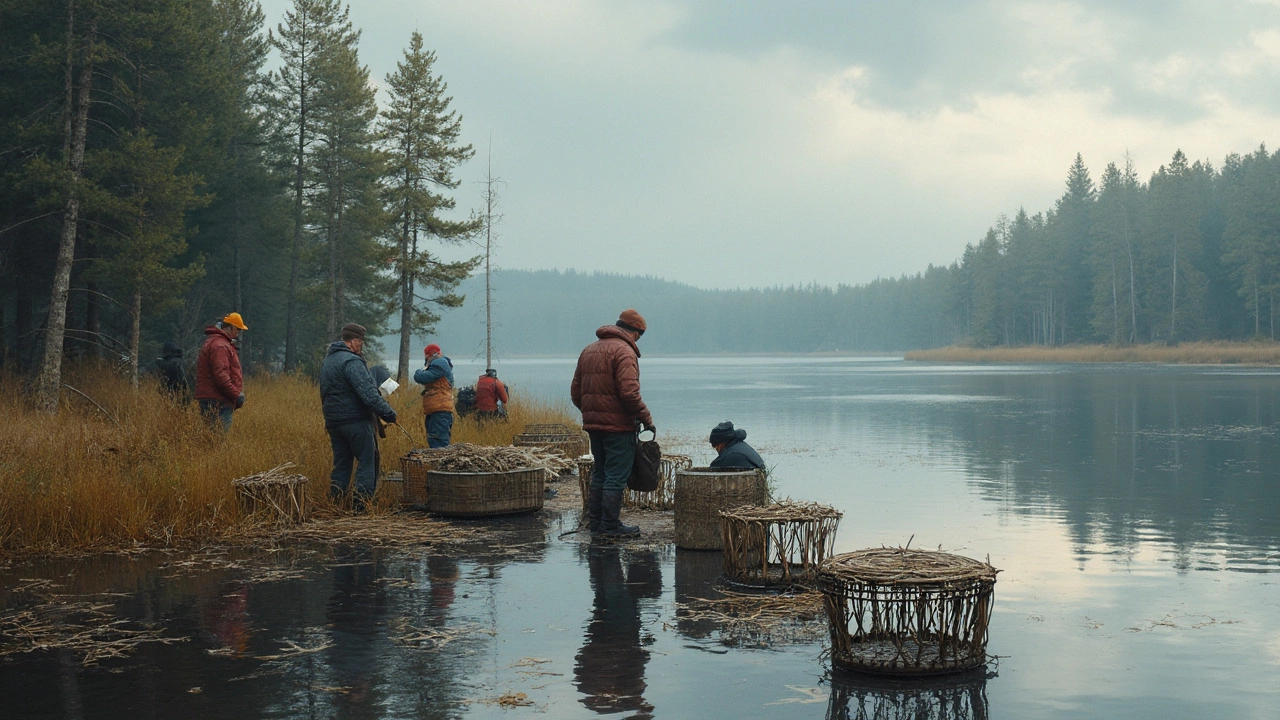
173, 373
351, 402
219, 383
436, 379
606, 388
491, 396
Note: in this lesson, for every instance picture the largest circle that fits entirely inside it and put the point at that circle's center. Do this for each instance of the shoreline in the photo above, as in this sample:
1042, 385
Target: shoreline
1192, 353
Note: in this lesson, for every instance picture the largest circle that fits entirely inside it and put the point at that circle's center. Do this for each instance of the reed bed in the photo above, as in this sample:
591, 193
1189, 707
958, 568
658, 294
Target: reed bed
1190, 353
131, 467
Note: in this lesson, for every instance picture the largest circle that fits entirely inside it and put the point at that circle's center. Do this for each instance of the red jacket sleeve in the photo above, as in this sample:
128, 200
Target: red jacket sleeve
575, 389
501, 390
626, 376
220, 358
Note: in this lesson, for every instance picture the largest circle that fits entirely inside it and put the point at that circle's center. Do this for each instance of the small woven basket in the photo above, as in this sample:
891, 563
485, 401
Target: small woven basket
895, 611
479, 494
560, 439
701, 493
779, 544
413, 469
662, 497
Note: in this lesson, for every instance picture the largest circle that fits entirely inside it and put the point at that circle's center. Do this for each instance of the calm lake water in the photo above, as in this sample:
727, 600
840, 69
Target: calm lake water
1134, 511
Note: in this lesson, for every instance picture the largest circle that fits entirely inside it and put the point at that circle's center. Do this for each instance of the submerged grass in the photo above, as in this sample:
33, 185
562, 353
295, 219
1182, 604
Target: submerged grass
142, 470
1191, 353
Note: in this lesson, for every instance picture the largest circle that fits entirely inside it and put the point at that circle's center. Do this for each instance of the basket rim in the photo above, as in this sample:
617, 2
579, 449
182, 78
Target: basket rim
487, 472
902, 566
716, 471
783, 510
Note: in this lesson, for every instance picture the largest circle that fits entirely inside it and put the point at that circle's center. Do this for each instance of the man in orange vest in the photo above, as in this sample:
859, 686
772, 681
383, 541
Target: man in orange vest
489, 393
437, 395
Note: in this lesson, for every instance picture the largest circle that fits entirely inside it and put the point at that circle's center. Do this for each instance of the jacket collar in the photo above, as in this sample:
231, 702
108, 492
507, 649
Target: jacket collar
613, 331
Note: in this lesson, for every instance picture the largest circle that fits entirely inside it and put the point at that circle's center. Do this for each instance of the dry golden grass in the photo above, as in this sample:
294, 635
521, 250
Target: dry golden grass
78, 481
1198, 353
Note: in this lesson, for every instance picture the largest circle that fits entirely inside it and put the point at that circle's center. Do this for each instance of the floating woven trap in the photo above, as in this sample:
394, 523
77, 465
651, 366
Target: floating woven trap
477, 494
413, 469
701, 493
274, 495
662, 497
860, 697
779, 544
554, 437
895, 611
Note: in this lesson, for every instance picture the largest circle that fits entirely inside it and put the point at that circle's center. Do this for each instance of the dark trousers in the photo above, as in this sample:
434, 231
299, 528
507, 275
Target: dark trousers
354, 443
217, 413
614, 454
439, 428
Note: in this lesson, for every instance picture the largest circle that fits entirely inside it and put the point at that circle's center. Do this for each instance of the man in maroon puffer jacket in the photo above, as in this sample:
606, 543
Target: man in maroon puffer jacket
219, 385
606, 388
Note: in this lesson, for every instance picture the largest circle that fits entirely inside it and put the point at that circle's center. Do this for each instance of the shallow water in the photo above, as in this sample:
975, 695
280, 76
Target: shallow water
1134, 511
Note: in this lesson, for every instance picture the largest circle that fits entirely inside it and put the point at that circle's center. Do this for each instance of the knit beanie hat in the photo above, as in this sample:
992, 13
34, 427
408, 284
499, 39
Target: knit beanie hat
430, 350
352, 331
631, 320
724, 432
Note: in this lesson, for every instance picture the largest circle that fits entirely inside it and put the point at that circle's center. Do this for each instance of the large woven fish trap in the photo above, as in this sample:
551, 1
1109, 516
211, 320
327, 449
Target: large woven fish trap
413, 470
554, 437
662, 497
959, 697
895, 611
274, 496
480, 494
702, 492
778, 544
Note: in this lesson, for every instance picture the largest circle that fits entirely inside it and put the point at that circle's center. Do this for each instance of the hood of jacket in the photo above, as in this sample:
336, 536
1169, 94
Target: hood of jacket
613, 331
338, 346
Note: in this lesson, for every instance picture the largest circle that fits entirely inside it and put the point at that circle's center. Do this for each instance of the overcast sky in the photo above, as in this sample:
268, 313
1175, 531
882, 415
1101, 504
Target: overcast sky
735, 143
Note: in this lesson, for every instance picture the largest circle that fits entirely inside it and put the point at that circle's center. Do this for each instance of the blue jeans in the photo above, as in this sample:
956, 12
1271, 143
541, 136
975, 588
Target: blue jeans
217, 413
354, 443
439, 428
615, 453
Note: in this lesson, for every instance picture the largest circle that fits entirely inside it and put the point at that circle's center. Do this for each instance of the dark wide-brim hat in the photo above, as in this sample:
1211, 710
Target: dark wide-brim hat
353, 331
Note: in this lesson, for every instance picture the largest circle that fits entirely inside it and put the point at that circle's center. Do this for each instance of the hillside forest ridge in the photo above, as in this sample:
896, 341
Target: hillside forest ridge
157, 173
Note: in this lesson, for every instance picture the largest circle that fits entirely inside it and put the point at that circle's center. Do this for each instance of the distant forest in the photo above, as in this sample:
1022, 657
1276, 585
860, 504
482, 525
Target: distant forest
1191, 254
157, 172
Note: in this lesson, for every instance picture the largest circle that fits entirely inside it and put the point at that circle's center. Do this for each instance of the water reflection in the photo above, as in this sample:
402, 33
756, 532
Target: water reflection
858, 697
698, 574
609, 669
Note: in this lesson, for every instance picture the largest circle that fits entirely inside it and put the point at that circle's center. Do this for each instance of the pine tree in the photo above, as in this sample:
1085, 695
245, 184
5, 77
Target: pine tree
421, 135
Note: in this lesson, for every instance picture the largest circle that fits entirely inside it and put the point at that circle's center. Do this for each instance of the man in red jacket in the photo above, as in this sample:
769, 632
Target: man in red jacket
606, 388
219, 385
489, 392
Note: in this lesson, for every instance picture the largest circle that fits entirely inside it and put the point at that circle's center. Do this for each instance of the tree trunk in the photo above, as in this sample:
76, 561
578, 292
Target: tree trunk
1173, 308
406, 303
49, 383
135, 331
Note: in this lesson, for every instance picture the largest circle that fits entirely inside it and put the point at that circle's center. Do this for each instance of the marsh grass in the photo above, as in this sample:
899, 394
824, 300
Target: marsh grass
155, 474
1192, 353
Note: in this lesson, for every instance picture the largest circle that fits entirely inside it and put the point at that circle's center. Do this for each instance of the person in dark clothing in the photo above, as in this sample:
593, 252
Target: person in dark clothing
733, 449
491, 396
350, 402
606, 388
173, 373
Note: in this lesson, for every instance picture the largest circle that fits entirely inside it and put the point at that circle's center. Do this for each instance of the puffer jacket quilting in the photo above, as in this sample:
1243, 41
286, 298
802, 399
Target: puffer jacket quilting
606, 383
347, 392
218, 368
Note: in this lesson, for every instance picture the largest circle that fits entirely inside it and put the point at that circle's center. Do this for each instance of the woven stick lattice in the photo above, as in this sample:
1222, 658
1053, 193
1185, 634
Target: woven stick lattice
662, 497
859, 697
275, 495
896, 611
778, 544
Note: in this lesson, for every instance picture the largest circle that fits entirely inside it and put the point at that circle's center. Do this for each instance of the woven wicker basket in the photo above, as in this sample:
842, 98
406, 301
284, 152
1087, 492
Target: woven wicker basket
701, 493
777, 545
413, 469
567, 444
662, 497
477, 494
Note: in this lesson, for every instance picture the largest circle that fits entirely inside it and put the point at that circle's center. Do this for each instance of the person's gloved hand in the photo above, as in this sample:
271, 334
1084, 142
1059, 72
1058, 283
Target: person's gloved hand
390, 418
240, 401
650, 427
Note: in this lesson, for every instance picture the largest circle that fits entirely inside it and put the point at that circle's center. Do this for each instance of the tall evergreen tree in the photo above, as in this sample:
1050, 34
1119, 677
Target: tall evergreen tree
422, 137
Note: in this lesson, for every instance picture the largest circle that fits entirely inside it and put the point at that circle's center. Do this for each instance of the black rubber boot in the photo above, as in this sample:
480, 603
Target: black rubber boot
594, 495
610, 508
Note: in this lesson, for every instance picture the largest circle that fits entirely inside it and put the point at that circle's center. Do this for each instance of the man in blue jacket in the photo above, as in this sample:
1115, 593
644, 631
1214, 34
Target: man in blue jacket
436, 380
732, 448
351, 401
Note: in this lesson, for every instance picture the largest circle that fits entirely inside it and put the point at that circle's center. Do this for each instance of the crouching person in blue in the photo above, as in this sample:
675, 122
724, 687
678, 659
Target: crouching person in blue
351, 402
734, 452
